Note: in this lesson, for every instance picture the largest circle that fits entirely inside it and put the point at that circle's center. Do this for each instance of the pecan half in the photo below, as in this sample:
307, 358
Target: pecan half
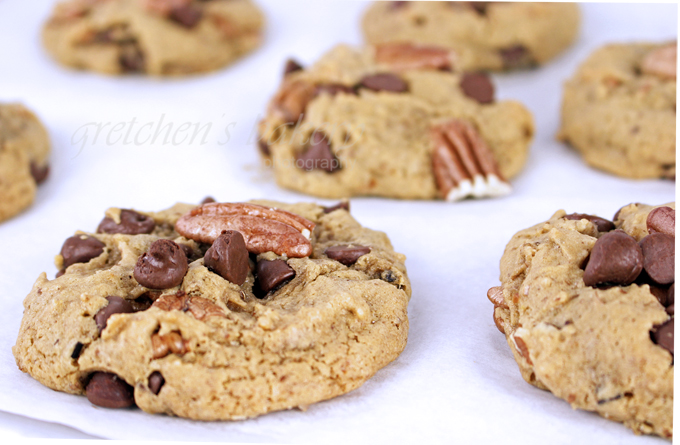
463, 164
172, 343
662, 62
263, 229
290, 102
406, 56
199, 307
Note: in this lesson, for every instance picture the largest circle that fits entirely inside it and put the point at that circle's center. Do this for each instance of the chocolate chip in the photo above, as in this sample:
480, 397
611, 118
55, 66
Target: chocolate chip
478, 86
479, 7
516, 57
60, 273
661, 293
142, 303
228, 257
663, 335
292, 66
131, 59
661, 220
658, 250
384, 82
208, 200
388, 275
602, 224
156, 382
318, 155
615, 259
77, 350
264, 148
271, 274
39, 173
333, 89
162, 266
670, 310
341, 205
81, 249
131, 223
116, 305
187, 16
109, 391
670, 297
345, 254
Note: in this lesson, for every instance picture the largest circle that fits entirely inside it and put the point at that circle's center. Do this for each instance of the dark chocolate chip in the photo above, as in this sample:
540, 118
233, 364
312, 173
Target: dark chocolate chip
384, 82
109, 391
388, 276
602, 224
188, 251
131, 59
81, 249
162, 266
228, 257
271, 274
663, 335
60, 273
478, 86
670, 310
345, 254
670, 297
208, 200
187, 16
131, 223
516, 57
318, 155
116, 305
479, 7
39, 173
615, 259
341, 205
292, 66
333, 89
77, 350
658, 250
156, 382
661, 293
142, 303
661, 220
264, 148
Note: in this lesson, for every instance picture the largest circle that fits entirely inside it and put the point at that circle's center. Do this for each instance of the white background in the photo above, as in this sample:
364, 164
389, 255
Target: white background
456, 380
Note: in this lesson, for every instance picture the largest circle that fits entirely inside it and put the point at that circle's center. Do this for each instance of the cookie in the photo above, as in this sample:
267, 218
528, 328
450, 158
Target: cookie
393, 121
221, 311
587, 306
484, 35
618, 110
24, 153
157, 37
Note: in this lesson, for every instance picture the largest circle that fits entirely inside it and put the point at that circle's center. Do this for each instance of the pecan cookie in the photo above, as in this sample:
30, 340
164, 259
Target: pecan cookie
484, 35
618, 110
24, 153
587, 306
393, 120
221, 311
157, 37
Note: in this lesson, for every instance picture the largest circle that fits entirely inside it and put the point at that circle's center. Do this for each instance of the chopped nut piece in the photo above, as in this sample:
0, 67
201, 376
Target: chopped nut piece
495, 295
463, 164
290, 103
662, 62
164, 7
171, 343
406, 56
199, 307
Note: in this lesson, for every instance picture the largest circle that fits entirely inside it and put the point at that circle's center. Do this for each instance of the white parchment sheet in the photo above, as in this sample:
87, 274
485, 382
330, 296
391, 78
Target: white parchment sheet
456, 381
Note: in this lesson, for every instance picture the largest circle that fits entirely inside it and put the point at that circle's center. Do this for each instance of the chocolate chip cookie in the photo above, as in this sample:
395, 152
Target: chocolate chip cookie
24, 153
393, 120
618, 110
483, 35
587, 306
157, 37
221, 311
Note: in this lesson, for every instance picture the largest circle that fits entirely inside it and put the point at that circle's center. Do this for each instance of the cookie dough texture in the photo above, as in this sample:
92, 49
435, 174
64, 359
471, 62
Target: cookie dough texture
621, 119
146, 36
479, 33
320, 335
24, 152
382, 139
588, 346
